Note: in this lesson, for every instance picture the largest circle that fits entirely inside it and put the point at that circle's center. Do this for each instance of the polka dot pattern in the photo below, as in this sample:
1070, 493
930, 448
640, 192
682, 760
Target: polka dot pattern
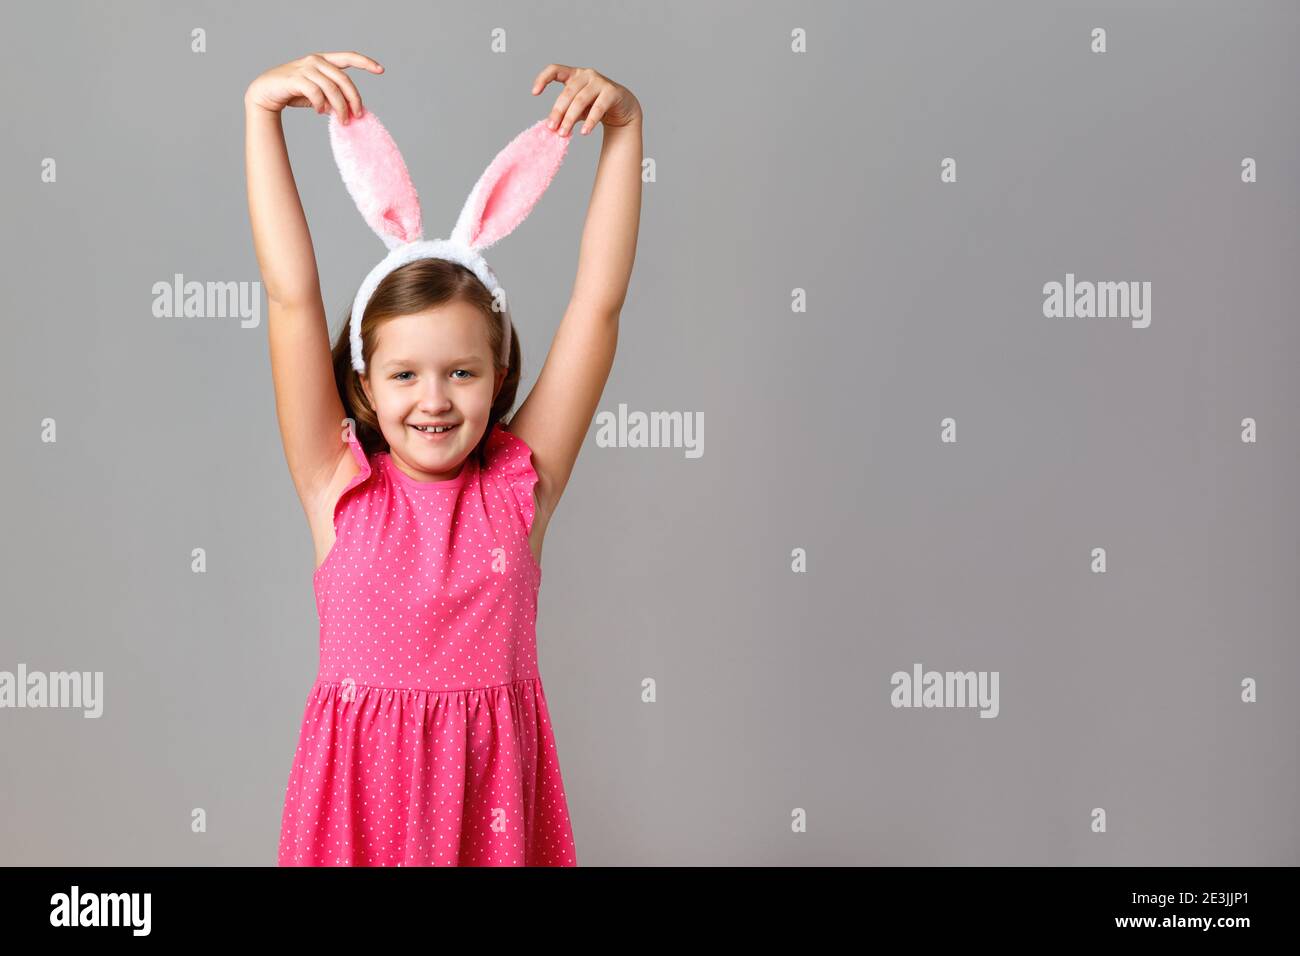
426, 739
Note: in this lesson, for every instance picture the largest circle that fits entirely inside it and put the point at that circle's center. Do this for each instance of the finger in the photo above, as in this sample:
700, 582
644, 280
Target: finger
346, 86
552, 72
571, 89
578, 108
597, 111
331, 91
353, 58
312, 92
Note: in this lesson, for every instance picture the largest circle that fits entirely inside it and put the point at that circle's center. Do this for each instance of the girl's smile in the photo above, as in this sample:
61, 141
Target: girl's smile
414, 458
433, 433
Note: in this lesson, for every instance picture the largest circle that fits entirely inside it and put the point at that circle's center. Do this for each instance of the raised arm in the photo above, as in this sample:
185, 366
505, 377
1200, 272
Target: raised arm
554, 418
307, 403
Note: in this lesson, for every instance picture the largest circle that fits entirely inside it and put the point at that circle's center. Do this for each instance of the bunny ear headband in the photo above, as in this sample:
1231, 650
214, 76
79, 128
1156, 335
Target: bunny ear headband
377, 179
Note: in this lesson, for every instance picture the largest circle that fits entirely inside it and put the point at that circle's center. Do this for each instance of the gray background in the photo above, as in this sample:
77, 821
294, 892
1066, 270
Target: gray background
775, 171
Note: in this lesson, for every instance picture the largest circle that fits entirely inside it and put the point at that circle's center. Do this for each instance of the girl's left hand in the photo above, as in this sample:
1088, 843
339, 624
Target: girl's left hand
587, 93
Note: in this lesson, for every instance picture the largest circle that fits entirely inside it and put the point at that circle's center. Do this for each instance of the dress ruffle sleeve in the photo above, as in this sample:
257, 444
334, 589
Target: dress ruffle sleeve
363, 463
359, 479
510, 460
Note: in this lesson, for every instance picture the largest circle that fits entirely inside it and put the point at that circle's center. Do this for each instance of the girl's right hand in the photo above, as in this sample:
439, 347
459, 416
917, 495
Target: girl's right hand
317, 80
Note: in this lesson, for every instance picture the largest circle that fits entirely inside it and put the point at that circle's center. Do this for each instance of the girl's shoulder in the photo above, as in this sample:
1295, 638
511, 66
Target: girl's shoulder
357, 467
506, 452
353, 471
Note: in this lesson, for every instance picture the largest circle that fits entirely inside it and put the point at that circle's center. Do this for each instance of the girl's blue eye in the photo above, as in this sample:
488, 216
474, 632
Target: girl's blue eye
399, 375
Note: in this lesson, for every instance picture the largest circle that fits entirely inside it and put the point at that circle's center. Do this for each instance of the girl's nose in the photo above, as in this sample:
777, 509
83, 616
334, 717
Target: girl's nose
434, 396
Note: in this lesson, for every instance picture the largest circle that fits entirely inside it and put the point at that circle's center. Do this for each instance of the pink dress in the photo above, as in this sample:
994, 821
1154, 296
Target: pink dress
426, 739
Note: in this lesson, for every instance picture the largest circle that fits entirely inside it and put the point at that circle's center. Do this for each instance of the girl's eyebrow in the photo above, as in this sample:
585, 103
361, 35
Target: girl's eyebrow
464, 360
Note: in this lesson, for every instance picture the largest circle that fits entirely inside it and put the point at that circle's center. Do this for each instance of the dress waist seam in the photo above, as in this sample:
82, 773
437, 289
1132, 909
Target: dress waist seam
424, 690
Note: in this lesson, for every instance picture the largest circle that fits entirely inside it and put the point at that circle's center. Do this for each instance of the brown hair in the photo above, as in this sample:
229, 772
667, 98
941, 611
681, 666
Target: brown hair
408, 290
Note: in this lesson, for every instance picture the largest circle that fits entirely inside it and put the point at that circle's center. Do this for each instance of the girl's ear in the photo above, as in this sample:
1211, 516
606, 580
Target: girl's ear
377, 179
511, 185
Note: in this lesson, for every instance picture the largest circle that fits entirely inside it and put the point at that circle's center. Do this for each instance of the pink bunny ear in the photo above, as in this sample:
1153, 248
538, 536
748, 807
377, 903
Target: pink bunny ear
511, 185
377, 178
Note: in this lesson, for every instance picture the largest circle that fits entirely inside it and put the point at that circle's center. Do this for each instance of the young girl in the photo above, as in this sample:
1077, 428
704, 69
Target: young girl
426, 738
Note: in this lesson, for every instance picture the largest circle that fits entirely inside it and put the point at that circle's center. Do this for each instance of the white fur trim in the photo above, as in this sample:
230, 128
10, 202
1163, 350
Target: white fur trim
425, 249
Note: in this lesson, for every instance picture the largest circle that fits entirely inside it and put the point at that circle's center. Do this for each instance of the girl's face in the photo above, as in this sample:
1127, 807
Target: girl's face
434, 367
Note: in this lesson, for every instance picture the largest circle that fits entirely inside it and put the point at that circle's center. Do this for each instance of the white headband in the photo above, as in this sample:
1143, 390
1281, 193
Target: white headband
378, 181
